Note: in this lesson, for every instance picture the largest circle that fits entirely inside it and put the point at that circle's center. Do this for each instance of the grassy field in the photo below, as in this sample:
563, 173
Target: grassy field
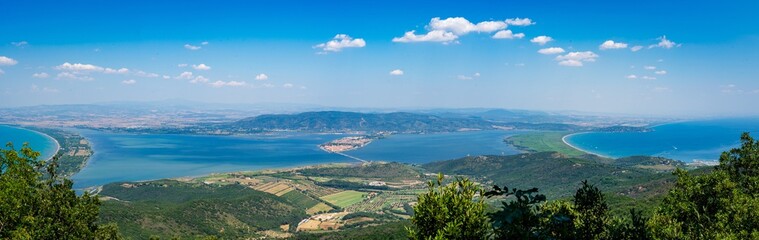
544, 142
320, 207
344, 198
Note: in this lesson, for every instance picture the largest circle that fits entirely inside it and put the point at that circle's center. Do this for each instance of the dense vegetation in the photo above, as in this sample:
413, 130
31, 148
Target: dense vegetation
722, 203
170, 208
543, 142
34, 205
75, 150
333, 121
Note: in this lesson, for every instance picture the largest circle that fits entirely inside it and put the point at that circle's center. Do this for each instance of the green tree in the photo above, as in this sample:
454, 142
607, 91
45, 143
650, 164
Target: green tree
520, 218
592, 209
452, 211
42, 206
722, 204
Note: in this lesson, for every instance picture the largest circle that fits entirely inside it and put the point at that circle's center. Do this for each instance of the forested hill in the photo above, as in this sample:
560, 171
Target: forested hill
334, 121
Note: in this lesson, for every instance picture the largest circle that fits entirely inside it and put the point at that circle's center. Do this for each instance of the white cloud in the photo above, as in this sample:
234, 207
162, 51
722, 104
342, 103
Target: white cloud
661, 72
519, 21
191, 47
20, 44
262, 77
461, 26
649, 78
341, 41
184, 75
204, 43
72, 76
432, 36
507, 34
396, 72
200, 79
664, 43
166, 77
129, 82
145, 74
182, 65
116, 71
79, 67
40, 75
552, 50
6, 61
287, 85
631, 76
576, 59
649, 67
609, 44
465, 77
541, 40
636, 48
218, 84
201, 66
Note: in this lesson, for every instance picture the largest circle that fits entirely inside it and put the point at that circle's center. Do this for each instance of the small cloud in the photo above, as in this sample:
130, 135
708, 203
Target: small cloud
204, 43
649, 67
464, 77
262, 77
636, 48
287, 85
77, 67
339, 42
396, 72
191, 47
664, 43
182, 65
145, 74
20, 44
552, 50
166, 77
519, 21
507, 34
184, 75
40, 75
116, 71
576, 59
201, 67
631, 76
199, 79
432, 36
541, 40
6, 61
660, 60
649, 78
129, 82
72, 76
519, 64
219, 84
609, 44
461, 26
660, 72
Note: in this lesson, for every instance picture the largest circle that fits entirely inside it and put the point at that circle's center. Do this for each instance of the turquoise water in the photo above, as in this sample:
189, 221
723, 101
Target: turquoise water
37, 141
686, 141
134, 157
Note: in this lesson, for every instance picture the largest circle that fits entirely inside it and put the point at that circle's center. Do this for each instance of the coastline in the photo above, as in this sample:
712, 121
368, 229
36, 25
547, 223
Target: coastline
564, 139
57, 144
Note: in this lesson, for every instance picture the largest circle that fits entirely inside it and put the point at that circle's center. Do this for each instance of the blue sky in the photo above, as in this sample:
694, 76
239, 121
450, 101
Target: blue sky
473, 54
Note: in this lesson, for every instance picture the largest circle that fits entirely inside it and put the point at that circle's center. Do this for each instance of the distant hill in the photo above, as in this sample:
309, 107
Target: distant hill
335, 121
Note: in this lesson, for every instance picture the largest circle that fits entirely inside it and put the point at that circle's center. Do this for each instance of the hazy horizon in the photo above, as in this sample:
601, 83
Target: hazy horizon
648, 58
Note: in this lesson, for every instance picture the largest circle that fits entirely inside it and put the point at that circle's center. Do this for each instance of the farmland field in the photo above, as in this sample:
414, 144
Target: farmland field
344, 198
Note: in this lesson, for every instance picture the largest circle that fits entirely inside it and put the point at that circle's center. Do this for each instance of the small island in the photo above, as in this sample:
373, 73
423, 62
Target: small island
346, 144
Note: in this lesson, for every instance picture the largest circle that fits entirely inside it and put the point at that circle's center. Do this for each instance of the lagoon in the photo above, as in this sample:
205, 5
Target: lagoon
137, 157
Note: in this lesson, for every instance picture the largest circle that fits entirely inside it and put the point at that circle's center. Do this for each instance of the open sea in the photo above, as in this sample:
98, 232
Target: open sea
702, 140
37, 141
